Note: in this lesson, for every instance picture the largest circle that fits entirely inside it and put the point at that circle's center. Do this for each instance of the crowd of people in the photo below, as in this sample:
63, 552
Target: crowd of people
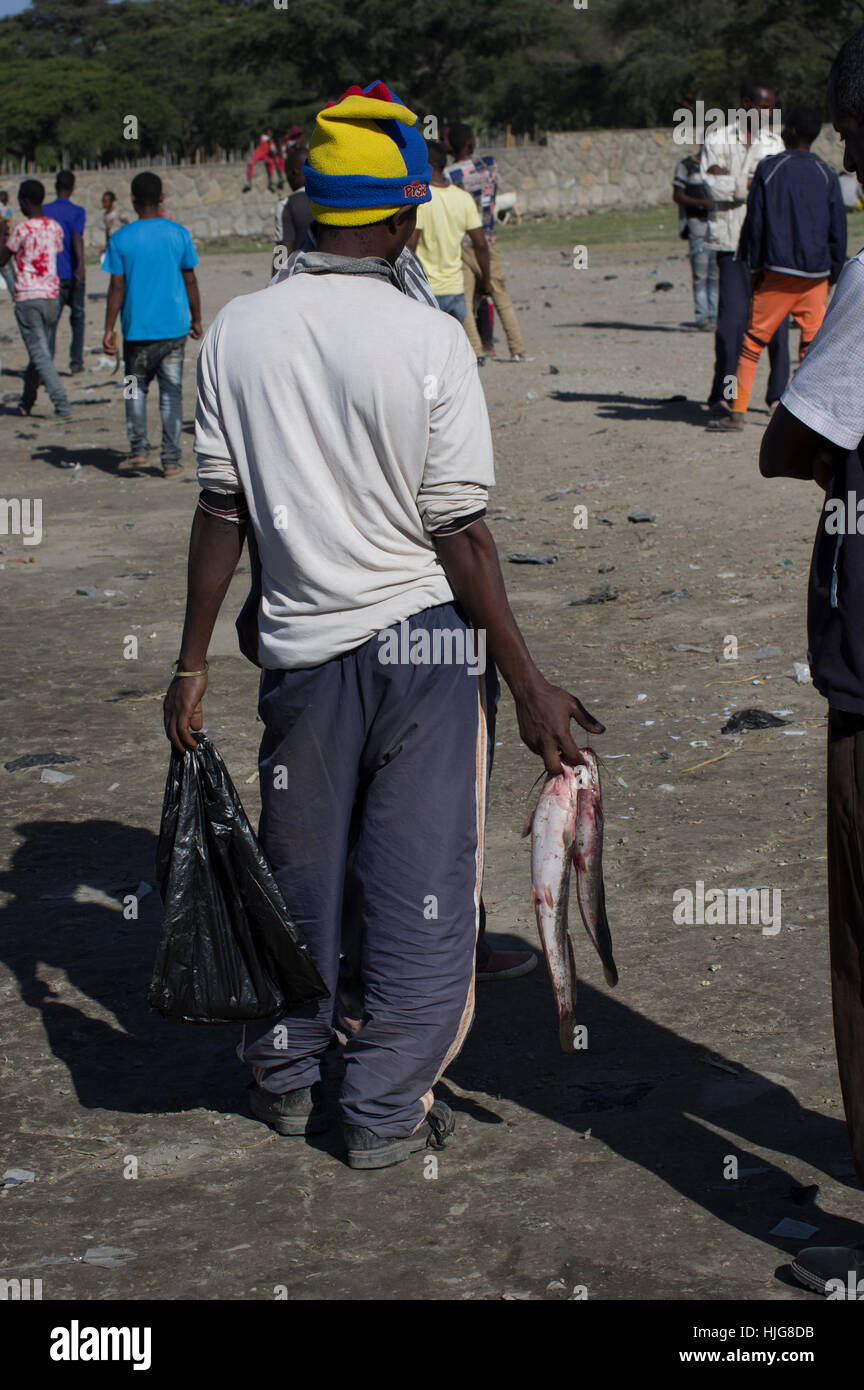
765, 222
356, 463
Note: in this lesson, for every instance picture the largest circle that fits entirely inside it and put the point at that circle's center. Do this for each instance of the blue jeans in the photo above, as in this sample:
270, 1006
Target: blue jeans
453, 304
703, 263
37, 320
8, 274
74, 293
162, 358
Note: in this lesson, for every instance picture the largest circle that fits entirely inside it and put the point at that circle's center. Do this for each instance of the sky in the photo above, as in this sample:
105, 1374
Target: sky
13, 7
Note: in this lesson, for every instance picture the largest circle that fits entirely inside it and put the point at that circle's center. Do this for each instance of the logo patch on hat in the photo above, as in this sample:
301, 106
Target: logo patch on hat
415, 190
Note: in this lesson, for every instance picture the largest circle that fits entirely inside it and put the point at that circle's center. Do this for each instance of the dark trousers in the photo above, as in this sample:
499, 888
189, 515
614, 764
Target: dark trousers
373, 782
74, 293
733, 311
846, 913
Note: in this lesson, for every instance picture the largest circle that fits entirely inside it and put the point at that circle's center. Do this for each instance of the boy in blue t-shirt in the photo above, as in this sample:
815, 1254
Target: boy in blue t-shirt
70, 262
153, 287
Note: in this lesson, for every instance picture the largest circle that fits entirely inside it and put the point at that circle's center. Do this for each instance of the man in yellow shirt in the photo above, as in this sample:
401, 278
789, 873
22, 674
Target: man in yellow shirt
437, 242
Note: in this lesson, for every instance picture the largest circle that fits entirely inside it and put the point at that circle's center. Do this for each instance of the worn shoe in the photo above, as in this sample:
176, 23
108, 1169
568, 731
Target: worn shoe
832, 1270
723, 424
368, 1150
294, 1112
505, 965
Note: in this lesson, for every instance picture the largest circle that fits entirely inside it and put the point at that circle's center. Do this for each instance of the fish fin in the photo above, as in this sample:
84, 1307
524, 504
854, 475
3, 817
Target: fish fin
547, 893
533, 895
604, 941
528, 826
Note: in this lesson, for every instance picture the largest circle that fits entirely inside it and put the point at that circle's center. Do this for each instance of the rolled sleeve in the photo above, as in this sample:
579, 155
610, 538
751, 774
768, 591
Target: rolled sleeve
217, 471
459, 467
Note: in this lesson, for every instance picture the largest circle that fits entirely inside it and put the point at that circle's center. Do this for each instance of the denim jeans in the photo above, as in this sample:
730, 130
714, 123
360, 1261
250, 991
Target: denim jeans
74, 293
453, 304
703, 263
8, 274
37, 320
162, 358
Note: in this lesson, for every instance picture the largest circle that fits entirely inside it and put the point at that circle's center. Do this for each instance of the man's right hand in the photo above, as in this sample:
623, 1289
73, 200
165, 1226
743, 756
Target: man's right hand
109, 342
182, 710
544, 715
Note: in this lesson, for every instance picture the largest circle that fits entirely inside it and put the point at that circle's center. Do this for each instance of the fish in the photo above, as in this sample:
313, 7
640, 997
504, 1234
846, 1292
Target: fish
566, 830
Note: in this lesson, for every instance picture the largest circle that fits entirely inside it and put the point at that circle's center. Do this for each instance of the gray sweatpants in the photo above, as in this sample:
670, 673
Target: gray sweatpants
374, 784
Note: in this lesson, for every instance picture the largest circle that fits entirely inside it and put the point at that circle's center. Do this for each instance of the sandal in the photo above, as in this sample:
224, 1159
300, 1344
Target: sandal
724, 423
170, 470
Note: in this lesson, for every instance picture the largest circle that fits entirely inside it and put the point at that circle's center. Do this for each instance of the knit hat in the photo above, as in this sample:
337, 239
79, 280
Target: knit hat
366, 159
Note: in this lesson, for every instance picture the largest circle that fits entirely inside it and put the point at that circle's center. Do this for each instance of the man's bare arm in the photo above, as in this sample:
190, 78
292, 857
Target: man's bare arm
78, 252
481, 251
194, 296
116, 291
544, 711
215, 547
790, 449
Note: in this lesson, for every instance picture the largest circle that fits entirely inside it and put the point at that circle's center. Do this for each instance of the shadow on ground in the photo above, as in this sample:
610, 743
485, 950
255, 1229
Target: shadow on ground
645, 1092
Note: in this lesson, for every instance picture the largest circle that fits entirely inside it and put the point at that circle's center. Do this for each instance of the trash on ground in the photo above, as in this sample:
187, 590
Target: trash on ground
689, 647
39, 760
518, 558
751, 719
641, 516
49, 774
14, 1177
793, 1230
801, 673
605, 595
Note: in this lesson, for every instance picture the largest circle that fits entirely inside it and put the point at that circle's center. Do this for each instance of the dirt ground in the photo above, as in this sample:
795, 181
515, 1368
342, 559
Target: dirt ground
606, 1171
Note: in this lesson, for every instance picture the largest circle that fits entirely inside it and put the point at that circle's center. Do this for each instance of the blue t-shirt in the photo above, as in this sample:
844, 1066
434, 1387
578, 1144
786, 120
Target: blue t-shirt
151, 253
71, 218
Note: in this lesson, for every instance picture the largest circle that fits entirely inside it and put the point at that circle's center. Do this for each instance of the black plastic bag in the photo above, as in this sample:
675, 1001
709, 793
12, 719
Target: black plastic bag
229, 950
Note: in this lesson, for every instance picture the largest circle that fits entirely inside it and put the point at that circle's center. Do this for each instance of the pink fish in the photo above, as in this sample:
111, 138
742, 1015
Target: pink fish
567, 829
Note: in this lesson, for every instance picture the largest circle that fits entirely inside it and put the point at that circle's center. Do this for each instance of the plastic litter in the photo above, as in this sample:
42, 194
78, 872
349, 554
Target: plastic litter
13, 1177
50, 775
752, 719
641, 516
517, 558
793, 1230
801, 673
39, 760
229, 950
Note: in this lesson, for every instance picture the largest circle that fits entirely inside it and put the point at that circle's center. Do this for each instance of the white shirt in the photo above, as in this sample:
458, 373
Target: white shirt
353, 420
827, 391
726, 148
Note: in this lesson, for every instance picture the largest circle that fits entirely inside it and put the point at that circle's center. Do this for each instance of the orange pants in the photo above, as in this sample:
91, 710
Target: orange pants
777, 296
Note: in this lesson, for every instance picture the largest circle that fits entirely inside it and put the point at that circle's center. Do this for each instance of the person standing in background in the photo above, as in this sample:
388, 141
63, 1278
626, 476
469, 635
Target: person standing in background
694, 204
479, 177
294, 213
153, 286
7, 270
441, 225
727, 164
793, 243
113, 216
36, 243
70, 262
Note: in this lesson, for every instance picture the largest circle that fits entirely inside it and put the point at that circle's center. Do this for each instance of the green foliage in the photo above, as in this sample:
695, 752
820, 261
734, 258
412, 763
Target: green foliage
210, 73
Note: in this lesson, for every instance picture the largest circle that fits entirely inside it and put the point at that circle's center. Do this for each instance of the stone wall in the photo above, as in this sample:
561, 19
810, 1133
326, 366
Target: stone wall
573, 174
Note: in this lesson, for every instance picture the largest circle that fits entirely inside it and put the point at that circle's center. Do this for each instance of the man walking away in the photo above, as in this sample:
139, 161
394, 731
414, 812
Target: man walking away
727, 164
694, 204
365, 493
794, 242
479, 177
816, 434
442, 224
262, 153
70, 262
36, 243
153, 287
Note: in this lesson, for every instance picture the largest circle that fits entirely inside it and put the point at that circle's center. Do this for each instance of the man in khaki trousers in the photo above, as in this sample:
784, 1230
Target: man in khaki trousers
479, 177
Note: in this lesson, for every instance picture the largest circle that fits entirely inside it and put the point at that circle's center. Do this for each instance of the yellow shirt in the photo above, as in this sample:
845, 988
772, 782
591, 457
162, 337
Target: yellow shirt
442, 223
